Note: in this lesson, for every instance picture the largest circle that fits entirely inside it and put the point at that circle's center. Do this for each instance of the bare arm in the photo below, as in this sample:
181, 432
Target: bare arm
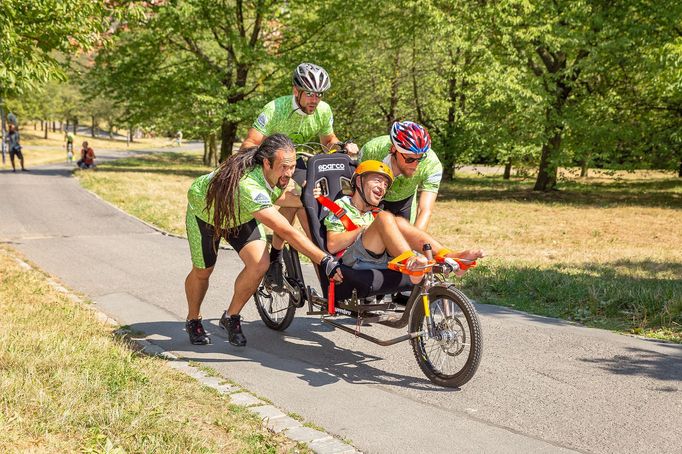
337, 241
290, 199
427, 201
279, 224
329, 140
253, 138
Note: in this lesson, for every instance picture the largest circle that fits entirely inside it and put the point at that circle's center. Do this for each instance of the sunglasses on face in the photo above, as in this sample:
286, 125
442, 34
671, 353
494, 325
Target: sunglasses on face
409, 160
313, 93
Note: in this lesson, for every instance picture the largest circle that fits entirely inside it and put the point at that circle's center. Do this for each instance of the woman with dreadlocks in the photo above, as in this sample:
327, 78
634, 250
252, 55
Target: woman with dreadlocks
234, 202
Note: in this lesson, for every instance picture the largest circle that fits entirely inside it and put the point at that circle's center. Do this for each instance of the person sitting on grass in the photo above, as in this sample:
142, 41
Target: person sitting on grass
382, 237
87, 160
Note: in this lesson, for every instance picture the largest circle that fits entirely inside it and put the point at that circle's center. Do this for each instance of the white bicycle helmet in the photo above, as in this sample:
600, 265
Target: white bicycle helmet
311, 77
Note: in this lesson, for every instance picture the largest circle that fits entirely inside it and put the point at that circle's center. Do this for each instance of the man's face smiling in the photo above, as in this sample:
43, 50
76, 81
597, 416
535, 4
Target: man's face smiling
282, 169
307, 101
374, 186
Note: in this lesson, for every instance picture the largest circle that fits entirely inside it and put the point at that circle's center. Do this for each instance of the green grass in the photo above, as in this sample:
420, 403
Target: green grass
68, 383
603, 251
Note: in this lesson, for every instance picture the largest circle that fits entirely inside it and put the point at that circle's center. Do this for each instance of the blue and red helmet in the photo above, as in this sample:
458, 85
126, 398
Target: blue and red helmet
409, 137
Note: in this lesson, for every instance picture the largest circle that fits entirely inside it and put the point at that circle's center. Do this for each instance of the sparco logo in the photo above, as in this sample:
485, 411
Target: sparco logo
330, 167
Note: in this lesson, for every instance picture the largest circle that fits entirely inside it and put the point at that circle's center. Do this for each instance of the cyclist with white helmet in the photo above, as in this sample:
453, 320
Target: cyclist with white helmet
407, 151
304, 117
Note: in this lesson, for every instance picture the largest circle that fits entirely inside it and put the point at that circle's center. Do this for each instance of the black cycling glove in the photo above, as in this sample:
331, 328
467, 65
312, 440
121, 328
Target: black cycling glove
330, 265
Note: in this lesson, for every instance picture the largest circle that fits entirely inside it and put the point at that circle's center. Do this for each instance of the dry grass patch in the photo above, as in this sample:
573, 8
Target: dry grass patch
67, 384
605, 254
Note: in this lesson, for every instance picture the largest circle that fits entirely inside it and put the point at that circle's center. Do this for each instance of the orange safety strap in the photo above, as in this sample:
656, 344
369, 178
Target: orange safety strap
349, 225
339, 212
400, 264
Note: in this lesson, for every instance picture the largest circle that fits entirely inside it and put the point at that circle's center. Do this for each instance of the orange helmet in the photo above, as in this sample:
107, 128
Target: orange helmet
371, 166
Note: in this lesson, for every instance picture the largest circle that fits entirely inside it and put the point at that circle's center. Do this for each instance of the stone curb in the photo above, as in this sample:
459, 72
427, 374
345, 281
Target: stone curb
271, 417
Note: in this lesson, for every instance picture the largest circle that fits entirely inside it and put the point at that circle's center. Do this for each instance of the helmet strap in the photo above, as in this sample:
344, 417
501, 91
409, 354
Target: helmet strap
362, 194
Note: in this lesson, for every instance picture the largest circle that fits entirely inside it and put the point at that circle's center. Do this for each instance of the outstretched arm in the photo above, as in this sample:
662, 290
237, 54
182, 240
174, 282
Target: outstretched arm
427, 200
330, 140
279, 224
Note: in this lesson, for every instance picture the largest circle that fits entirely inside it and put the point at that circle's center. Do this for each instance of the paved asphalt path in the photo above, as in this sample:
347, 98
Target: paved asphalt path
543, 385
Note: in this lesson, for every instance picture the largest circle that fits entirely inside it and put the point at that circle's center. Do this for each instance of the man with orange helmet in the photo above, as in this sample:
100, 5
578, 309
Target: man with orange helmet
378, 236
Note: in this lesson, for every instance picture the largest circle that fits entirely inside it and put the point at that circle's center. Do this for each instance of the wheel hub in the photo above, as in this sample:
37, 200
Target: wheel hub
450, 336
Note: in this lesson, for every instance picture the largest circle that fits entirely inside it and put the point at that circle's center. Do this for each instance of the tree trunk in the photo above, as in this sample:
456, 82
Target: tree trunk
547, 173
507, 170
130, 134
35, 126
205, 157
47, 128
212, 150
42, 123
92, 128
228, 134
75, 125
584, 168
679, 173
66, 129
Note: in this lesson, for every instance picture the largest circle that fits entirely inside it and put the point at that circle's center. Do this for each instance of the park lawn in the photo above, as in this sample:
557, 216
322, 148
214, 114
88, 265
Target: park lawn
70, 384
604, 251
39, 151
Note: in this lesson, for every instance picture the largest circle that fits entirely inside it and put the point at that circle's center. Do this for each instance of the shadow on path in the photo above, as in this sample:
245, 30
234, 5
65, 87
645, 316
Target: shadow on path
275, 350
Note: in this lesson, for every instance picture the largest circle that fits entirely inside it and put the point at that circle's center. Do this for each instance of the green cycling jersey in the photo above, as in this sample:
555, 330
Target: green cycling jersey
255, 194
334, 224
282, 116
426, 178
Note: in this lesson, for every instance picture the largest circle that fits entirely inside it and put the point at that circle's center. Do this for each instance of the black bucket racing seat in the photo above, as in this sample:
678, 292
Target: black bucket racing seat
334, 172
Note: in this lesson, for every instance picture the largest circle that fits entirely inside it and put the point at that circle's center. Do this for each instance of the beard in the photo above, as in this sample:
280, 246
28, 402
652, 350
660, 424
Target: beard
283, 182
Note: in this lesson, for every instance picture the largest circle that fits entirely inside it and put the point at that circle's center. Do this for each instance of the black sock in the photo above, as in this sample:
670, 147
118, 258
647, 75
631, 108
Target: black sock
275, 254
234, 317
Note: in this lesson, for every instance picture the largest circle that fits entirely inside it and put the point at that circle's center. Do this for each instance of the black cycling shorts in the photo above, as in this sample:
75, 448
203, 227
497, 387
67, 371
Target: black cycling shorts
402, 208
203, 243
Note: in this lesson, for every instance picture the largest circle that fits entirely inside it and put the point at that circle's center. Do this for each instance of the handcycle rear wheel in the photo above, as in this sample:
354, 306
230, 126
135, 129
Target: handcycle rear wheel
276, 308
452, 356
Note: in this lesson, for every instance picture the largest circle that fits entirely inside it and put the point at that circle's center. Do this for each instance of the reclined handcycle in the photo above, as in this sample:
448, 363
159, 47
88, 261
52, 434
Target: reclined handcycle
443, 326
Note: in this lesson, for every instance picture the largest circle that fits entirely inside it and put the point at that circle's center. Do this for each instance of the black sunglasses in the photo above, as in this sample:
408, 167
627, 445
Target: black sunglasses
314, 93
411, 160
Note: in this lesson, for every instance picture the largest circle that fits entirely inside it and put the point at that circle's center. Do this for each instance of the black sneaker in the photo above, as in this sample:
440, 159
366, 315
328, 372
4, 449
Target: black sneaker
197, 333
400, 298
274, 278
232, 324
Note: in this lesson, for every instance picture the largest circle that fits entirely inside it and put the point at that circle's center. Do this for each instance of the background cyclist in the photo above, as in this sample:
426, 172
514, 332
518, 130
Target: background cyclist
304, 117
232, 202
415, 166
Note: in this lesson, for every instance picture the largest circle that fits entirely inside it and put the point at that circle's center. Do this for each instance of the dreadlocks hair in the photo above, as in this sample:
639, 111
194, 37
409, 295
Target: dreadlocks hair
223, 191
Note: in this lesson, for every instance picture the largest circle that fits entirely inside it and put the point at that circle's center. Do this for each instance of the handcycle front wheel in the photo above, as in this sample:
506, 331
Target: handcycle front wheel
451, 357
277, 307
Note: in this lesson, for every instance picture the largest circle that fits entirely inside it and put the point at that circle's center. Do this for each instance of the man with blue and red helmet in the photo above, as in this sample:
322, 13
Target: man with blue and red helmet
417, 169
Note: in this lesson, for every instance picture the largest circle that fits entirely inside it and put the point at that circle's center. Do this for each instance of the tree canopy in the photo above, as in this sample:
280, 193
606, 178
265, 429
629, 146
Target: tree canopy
520, 82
